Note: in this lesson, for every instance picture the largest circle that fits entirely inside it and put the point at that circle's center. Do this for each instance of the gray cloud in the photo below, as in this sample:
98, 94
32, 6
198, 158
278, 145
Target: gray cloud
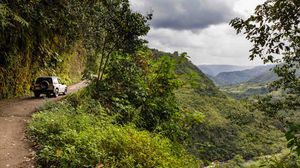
213, 45
200, 28
187, 14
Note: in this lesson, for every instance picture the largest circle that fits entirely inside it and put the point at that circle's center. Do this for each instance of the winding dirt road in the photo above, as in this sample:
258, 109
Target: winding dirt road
15, 150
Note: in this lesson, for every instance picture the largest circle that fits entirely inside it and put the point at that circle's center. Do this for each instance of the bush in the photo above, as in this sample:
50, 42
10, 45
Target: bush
70, 137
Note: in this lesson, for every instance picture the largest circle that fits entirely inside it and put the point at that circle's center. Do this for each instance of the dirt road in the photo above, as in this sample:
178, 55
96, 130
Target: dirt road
15, 150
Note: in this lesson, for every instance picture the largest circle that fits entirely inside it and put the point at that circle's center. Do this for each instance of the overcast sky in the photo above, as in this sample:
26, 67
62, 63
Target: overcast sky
200, 28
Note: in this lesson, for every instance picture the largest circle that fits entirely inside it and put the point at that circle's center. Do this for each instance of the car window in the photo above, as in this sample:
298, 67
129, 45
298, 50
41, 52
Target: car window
55, 81
39, 80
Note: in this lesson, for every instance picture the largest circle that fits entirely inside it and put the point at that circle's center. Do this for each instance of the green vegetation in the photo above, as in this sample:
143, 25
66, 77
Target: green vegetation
182, 116
124, 123
229, 128
84, 135
145, 108
282, 160
246, 90
274, 30
50, 38
258, 74
36, 38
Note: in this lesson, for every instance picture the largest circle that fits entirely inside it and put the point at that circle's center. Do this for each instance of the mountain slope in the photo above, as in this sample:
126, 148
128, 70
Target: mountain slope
192, 74
228, 126
213, 70
236, 77
265, 77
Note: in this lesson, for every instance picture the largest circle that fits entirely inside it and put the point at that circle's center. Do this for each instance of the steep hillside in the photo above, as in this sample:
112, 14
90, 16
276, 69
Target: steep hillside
18, 74
187, 70
228, 128
57, 37
38, 38
213, 70
230, 78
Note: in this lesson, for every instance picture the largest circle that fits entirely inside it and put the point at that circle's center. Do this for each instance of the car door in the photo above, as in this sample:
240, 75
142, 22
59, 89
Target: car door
60, 85
56, 84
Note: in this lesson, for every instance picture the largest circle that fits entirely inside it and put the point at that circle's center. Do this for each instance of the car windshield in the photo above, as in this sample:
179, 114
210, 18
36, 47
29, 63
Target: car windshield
39, 80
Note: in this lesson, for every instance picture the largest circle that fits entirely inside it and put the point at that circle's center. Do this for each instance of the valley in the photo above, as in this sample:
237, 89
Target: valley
143, 99
244, 83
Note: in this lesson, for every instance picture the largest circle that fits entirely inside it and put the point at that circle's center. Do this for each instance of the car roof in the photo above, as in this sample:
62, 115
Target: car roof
48, 77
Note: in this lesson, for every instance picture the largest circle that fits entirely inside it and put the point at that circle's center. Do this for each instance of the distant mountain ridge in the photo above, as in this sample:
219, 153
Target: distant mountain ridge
213, 70
266, 77
258, 74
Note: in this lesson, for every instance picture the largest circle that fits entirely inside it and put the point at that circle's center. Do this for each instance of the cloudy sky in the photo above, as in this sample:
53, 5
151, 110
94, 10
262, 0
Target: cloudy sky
200, 28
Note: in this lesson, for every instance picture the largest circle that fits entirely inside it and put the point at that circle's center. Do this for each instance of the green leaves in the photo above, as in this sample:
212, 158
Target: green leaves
293, 137
113, 27
8, 18
38, 32
274, 31
140, 88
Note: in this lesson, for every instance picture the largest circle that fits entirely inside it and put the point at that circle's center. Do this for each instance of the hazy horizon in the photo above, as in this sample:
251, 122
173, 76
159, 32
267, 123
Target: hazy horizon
236, 65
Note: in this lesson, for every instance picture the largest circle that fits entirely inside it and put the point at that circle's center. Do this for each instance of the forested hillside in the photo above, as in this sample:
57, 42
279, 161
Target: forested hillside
228, 128
142, 108
37, 38
57, 37
161, 100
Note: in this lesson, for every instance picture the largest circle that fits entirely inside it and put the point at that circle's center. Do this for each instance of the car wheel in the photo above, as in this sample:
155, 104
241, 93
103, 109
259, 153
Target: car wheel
56, 93
65, 92
45, 84
48, 94
37, 94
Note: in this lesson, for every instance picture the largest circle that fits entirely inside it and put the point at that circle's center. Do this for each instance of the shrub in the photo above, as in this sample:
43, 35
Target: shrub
70, 137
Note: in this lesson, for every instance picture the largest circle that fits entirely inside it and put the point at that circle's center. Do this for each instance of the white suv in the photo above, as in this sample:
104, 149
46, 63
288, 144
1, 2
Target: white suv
49, 85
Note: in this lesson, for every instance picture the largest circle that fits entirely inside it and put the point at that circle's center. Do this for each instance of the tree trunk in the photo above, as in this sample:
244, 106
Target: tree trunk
101, 62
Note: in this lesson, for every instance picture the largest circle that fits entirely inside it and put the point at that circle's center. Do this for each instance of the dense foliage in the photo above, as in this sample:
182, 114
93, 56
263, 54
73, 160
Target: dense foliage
75, 137
112, 27
37, 38
228, 128
145, 83
145, 108
133, 128
274, 31
50, 38
149, 95
85, 136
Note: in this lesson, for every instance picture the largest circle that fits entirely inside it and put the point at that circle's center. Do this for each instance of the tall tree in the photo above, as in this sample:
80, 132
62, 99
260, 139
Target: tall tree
115, 29
274, 32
